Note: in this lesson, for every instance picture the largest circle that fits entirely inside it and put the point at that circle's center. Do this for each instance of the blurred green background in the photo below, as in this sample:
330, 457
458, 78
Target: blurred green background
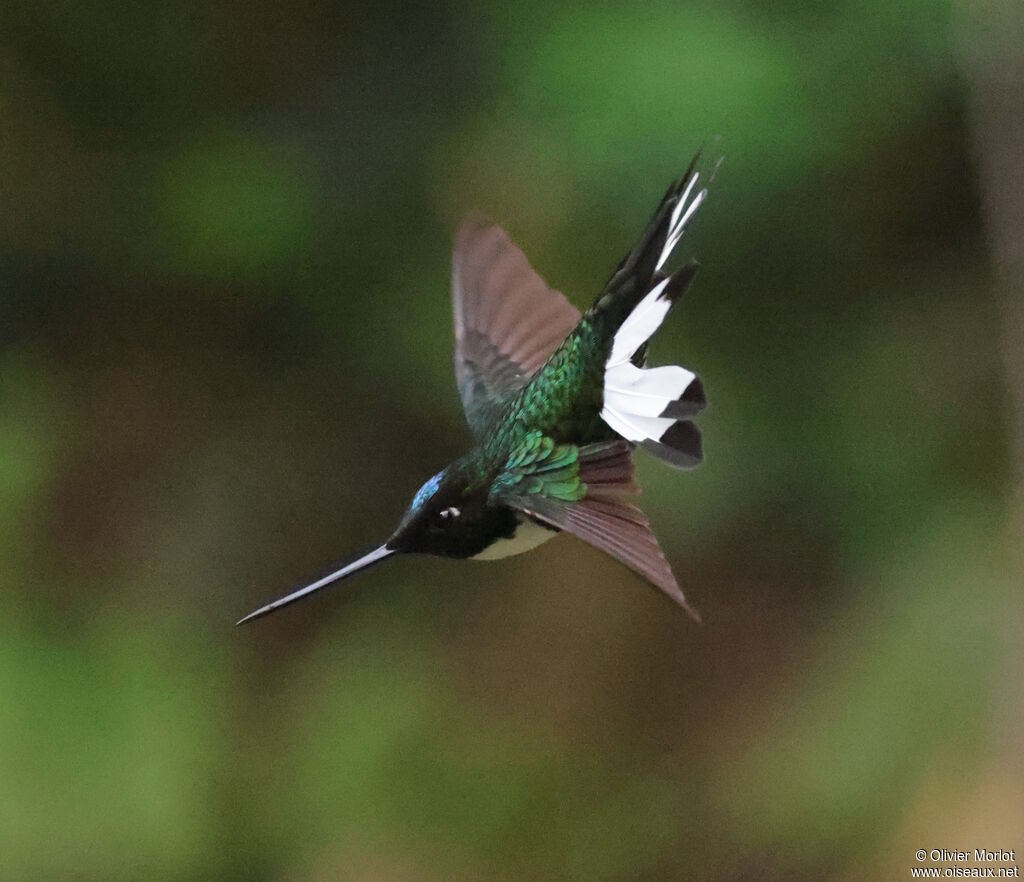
225, 364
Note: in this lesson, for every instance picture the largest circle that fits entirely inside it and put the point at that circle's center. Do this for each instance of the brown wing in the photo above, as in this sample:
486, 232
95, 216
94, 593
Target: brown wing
607, 518
507, 320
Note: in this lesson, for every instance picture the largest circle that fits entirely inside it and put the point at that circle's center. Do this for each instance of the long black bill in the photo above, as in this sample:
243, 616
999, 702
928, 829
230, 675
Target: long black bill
362, 563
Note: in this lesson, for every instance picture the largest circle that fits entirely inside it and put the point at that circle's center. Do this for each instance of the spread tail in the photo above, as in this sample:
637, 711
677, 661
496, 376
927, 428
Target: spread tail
651, 406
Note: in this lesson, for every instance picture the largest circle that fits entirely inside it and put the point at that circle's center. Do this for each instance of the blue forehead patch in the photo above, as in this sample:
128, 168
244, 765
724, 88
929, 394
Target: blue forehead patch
427, 490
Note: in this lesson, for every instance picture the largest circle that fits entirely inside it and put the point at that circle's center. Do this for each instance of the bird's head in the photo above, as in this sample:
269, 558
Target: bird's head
449, 516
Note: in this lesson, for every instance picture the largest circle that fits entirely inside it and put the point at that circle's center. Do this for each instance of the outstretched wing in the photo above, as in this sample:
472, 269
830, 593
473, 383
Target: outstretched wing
588, 491
507, 320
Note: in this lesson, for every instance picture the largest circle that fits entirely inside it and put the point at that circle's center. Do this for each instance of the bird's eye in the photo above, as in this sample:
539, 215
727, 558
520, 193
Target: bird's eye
448, 514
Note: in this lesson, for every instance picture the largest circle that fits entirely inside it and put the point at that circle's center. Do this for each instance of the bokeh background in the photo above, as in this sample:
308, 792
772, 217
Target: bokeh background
225, 364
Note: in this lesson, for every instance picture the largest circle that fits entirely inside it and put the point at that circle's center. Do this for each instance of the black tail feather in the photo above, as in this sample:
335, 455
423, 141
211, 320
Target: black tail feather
680, 447
635, 274
689, 404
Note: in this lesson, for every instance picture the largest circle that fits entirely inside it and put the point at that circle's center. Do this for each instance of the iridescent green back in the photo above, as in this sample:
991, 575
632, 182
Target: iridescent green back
564, 399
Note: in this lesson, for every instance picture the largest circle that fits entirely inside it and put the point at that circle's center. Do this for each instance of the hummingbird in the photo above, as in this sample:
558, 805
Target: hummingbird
557, 403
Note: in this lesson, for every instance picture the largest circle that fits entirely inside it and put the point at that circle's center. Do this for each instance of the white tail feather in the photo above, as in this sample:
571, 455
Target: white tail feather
681, 214
635, 399
636, 428
645, 391
639, 326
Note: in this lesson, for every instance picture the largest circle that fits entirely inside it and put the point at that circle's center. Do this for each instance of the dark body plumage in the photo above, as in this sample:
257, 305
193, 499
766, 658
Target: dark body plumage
557, 401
